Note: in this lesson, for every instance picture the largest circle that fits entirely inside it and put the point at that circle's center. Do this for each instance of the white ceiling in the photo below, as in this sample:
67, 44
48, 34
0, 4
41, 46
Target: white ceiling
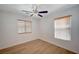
17, 8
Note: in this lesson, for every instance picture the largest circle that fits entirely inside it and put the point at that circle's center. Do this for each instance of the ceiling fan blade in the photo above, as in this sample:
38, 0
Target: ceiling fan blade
40, 15
31, 15
43, 12
26, 11
34, 7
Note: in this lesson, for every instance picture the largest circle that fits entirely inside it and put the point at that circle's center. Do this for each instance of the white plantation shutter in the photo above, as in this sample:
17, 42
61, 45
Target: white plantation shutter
62, 28
21, 26
24, 26
28, 26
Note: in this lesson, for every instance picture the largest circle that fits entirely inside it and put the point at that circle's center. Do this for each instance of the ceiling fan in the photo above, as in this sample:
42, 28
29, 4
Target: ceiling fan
35, 11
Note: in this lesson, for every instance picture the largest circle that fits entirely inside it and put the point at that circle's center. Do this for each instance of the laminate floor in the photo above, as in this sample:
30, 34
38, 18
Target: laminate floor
35, 47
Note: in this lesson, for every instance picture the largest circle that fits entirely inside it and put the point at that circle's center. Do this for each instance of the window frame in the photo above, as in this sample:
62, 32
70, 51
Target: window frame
25, 26
63, 17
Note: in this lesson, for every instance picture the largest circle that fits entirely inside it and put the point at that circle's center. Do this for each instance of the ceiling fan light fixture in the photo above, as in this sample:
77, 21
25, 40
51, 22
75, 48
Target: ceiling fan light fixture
35, 12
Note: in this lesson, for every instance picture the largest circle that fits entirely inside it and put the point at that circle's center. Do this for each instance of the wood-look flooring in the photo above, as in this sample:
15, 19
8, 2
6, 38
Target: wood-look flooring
35, 47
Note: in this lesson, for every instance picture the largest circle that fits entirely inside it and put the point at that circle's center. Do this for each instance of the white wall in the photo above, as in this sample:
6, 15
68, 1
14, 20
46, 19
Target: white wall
47, 29
8, 30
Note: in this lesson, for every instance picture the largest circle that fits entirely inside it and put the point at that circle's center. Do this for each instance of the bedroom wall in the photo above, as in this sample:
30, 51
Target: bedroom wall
8, 30
43, 29
47, 29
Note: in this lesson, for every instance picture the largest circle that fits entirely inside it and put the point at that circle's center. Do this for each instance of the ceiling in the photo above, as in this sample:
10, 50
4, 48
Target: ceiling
17, 8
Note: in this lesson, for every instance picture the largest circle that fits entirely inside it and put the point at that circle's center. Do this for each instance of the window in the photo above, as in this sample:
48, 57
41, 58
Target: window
24, 26
62, 27
28, 26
